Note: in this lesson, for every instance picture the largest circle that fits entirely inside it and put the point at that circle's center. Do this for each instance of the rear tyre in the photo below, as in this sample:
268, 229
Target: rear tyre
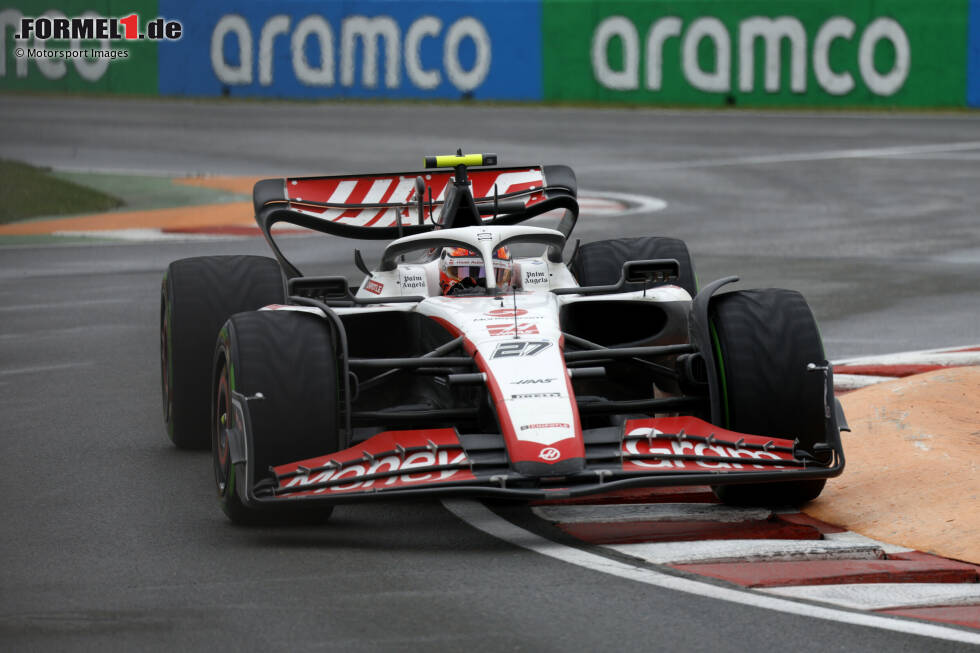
764, 341
601, 263
197, 296
287, 357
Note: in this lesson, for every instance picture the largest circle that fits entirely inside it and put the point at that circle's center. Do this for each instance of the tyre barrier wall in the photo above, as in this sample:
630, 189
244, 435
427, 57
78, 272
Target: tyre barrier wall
698, 53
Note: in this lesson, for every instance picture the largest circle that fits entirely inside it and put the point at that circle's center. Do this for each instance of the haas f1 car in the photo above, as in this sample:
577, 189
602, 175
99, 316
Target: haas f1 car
475, 360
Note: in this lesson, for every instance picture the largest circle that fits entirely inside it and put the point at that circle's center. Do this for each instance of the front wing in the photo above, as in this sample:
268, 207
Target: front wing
443, 462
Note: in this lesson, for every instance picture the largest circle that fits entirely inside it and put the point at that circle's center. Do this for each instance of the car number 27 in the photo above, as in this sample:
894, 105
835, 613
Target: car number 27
520, 348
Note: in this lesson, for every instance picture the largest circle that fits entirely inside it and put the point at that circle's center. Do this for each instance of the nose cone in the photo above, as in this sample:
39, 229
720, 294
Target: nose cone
564, 467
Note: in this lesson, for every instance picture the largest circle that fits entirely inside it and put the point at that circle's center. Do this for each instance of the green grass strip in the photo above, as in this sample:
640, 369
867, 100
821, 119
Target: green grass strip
29, 192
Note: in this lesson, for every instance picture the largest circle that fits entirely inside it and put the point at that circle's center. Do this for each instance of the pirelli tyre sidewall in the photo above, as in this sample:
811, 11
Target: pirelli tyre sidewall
282, 367
601, 262
764, 340
197, 296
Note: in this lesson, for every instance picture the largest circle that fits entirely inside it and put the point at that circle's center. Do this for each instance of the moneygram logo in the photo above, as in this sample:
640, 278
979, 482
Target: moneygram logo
93, 27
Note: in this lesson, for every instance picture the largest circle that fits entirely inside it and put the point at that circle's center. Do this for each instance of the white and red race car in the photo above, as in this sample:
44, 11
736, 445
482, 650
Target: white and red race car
553, 379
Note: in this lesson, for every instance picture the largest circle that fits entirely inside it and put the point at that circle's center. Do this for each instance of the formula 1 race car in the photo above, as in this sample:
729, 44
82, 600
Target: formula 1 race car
473, 360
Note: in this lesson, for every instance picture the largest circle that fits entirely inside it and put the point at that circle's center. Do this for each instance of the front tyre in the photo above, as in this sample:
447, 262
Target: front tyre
197, 296
764, 341
600, 263
281, 367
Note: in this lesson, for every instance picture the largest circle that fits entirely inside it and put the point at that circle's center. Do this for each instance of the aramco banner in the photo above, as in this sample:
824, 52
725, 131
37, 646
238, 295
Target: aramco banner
384, 49
698, 53
757, 53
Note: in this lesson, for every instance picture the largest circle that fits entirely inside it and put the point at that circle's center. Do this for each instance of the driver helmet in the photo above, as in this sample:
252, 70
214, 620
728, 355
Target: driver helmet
461, 268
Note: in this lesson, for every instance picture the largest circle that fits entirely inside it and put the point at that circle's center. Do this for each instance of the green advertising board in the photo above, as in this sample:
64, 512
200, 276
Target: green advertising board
756, 53
696, 53
80, 65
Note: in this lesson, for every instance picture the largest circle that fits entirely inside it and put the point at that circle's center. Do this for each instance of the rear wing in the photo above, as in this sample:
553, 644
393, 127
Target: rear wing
390, 205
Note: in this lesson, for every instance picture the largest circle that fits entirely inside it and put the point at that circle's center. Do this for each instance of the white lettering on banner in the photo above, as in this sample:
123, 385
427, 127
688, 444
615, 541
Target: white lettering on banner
50, 68
622, 28
466, 80
426, 26
90, 71
225, 72
773, 32
275, 26
306, 73
372, 33
832, 82
879, 30
712, 82
416, 460
10, 18
370, 30
660, 31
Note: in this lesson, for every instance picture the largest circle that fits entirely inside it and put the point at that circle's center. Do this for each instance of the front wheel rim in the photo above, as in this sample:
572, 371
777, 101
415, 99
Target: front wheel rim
220, 444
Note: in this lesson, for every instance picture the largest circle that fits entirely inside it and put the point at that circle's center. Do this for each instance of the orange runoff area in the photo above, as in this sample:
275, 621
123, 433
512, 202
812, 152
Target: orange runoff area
913, 464
241, 185
209, 215
184, 217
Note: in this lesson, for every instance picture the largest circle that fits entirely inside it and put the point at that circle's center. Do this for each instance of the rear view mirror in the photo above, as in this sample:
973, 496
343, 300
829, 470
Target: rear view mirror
661, 270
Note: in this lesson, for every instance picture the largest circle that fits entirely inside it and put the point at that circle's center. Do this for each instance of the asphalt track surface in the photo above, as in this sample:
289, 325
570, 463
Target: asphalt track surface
112, 539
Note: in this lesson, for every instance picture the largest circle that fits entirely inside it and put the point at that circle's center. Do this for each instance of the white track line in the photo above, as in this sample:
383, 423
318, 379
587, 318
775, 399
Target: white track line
146, 235
712, 551
639, 203
884, 596
480, 517
877, 358
39, 369
948, 357
857, 538
800, 157
855, 381
84, 303
658, 512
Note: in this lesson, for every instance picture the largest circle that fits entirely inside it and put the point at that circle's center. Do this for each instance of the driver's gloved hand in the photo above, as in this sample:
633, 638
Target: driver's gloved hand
467, 286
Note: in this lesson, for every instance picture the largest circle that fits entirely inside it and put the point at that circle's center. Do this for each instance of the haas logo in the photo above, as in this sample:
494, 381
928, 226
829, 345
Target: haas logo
549, 454
507, 312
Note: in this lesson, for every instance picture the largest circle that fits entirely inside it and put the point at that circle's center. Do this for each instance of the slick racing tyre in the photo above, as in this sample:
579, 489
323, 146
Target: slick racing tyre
601, 263
283, 363
764, 341
198, 295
